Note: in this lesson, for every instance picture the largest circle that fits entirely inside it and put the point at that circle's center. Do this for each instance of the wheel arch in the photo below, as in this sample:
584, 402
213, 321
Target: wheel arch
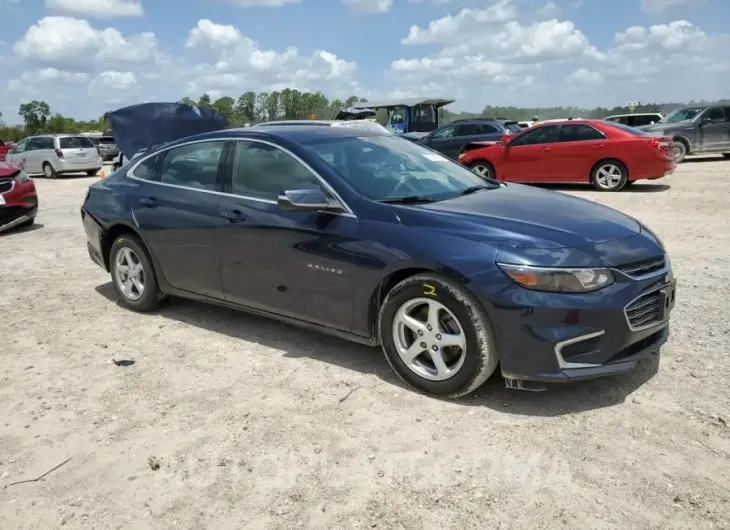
684, 140
393, 278
111, 234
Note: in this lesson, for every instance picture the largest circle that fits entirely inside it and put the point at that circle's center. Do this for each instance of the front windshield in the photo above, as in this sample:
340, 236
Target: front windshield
682, 115
389, 168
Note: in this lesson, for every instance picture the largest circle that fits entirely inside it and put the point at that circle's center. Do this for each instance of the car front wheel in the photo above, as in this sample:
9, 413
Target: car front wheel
133, 274
436, 336
483, 169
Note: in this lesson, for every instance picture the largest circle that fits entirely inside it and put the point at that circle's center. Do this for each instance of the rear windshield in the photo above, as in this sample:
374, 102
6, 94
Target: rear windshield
74, 142
626, 128
106, 140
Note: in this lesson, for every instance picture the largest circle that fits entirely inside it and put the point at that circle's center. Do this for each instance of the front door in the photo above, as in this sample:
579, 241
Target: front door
713, 129
16, 156
177, 207
574, 156
299, 264
527, 157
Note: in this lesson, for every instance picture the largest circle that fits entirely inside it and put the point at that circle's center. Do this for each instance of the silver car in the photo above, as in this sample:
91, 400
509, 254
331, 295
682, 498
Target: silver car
56, 154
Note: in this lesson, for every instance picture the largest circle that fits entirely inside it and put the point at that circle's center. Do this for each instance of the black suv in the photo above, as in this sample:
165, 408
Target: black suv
695, 130
450, 138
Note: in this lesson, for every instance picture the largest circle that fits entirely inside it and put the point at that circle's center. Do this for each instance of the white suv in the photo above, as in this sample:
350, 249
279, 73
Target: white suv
55, 154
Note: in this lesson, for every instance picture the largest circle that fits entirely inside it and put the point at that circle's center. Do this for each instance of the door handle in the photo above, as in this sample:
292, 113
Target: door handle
546, 149
601, 146
233, 216
149, 202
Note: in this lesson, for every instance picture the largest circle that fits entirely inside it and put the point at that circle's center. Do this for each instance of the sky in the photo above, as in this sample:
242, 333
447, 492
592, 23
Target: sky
85, 57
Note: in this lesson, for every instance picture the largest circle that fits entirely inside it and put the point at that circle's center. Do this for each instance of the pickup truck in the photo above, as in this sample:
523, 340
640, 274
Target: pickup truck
4, 148
695, 130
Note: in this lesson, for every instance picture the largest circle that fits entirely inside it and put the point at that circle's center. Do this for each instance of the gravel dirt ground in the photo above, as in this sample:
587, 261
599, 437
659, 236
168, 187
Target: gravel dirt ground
226, 420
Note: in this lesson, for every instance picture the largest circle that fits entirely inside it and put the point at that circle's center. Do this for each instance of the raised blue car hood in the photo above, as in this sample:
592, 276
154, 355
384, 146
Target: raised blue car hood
143, 126
523, 216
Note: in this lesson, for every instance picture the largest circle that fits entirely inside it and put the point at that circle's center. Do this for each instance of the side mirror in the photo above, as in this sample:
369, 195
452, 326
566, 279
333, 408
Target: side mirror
706, 120
308, 199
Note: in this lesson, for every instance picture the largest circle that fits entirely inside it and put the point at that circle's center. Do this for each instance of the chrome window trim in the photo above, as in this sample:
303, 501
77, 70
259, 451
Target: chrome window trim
565, 365
130, 174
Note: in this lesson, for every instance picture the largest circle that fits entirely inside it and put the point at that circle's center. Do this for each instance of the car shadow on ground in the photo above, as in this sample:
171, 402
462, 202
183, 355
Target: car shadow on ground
705, 159
18, 230
299, 343
638, 187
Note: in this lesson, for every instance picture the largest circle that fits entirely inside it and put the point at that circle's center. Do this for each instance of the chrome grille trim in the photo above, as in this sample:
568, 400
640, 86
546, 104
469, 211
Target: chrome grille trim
645, 268
644, 310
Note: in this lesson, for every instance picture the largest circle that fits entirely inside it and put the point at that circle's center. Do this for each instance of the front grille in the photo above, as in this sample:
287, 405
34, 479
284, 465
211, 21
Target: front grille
645, 310
643, 267
6, 185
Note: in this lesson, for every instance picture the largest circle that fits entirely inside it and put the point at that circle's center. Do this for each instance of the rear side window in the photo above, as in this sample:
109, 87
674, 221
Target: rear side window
193, 165
74, 142
468, 129
715, 114
488, 129
579, 133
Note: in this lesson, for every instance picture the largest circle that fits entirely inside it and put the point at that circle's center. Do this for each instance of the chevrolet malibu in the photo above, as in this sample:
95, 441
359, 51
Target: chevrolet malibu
379, 240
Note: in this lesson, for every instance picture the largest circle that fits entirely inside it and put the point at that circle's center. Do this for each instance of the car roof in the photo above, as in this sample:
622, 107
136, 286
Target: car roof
635, 114
293, 133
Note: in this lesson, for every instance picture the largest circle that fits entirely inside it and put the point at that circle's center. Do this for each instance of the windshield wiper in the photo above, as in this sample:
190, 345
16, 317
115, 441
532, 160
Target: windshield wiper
474, 189
410, 199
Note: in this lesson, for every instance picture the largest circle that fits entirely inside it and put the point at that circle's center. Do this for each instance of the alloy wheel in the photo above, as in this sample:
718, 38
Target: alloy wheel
481, 170
429, 339
129, 274
48, 171
609, 176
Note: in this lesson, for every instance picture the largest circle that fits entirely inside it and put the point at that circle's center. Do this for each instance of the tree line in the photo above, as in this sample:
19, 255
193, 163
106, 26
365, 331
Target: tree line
290, 104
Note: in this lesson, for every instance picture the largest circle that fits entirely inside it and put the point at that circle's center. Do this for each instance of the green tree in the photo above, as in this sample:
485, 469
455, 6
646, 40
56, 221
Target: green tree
35, 115
246, 107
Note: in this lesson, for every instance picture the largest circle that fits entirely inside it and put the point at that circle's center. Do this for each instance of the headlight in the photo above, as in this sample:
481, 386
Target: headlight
558, 280
21, 177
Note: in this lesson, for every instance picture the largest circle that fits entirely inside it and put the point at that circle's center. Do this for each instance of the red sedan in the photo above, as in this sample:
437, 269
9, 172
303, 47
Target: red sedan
608, 155
18, 198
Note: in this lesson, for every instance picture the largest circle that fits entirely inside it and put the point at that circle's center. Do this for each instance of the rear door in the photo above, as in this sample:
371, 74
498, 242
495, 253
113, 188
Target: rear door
527, 156
579, 148
77, 150
176, 204
713, 128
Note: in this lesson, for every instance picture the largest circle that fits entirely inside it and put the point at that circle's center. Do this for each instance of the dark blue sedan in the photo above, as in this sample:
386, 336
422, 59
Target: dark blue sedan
379, 240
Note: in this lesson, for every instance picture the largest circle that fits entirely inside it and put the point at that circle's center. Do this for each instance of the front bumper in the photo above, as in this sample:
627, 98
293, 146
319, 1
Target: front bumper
549, 337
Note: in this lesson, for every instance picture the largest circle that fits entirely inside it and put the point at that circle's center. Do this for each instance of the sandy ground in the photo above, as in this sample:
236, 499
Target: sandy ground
248, 422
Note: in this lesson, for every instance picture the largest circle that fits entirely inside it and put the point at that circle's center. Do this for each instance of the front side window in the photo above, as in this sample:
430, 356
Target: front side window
468, 129
489, 129
715, 115
45, 143
389, 168
398, 116
262, 171
579, 133
446, 132
74, 142
20, 146
192, 165
538, 135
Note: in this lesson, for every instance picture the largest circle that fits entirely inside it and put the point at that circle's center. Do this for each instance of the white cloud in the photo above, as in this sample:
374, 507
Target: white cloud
549, 10
586, 77
67, 41
369, 7
46, 76
98, 8
114, 80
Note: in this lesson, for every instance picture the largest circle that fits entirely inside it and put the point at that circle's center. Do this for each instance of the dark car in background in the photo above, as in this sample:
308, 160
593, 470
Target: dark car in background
374, 238
696, 130
18, 198
450, 138
107, 147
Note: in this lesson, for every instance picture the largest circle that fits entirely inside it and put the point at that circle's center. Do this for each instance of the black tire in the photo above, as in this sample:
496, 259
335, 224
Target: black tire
680, 151
480, 358
488, 168
617, 168
93, 172
29, 222
151, 294
49, 171
726, 155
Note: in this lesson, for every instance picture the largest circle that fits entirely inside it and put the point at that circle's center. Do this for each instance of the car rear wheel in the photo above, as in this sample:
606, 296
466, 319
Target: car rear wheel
679, 150
483, 169
436, 336
133, 274
726, 155
609, 175
49, 171
92, 172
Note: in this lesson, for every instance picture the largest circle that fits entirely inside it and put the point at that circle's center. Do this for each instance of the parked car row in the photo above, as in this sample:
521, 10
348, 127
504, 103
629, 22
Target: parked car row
55, 154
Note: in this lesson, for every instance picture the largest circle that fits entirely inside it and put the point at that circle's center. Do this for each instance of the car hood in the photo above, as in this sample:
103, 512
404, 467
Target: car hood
140, 127
7, 170
522, 217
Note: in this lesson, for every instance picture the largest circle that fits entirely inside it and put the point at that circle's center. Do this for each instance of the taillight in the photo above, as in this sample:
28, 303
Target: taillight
59, 153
